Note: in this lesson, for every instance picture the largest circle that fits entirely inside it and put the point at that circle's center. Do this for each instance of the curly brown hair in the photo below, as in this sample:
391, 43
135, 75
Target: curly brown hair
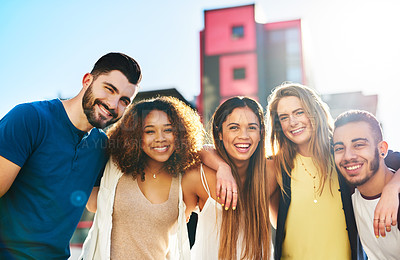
125, 136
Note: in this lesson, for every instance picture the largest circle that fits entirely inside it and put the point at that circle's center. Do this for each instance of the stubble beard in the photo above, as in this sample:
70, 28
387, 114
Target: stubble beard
89, 108
373, 170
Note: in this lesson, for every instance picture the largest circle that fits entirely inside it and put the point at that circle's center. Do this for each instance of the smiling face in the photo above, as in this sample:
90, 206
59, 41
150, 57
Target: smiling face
241, 134
158, 140
106, 98
356, 155
294, 121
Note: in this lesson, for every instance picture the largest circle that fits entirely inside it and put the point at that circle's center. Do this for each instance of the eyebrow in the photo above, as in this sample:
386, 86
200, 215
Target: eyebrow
154, 126
359, 139
338, 143
117, 91
111, 86
234, 123
353, 141
294, 111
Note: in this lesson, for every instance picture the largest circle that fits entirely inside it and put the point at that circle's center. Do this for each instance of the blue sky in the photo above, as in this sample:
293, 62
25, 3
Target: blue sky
47, 46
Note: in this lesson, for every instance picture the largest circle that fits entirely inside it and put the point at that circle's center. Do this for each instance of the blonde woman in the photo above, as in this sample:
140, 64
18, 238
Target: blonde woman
315, 218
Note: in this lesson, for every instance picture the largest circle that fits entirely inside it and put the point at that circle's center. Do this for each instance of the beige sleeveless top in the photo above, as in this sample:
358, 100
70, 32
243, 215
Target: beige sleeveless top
140, 229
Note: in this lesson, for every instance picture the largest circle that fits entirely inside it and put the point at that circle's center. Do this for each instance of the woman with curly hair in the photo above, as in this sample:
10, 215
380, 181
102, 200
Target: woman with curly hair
140, 211
243, 233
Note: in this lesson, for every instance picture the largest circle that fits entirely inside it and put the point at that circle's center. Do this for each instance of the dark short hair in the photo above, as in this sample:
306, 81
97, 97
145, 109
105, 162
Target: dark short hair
121, 62
353, 116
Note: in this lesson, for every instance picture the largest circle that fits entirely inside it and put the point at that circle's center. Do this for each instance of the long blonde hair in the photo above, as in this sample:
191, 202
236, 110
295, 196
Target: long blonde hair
252, 215
284, 151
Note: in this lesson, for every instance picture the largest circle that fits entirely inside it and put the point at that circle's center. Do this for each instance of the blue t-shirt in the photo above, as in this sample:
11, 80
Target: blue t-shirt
59, 166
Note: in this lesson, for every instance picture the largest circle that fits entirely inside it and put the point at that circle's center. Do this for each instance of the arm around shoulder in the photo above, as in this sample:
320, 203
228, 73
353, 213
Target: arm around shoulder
388, 205
225, 185
91, 205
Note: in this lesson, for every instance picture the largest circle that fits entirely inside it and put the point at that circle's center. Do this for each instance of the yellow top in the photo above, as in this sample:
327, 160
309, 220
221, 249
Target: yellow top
314, 230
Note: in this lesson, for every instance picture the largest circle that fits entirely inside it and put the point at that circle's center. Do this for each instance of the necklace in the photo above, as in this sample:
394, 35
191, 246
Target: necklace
157, 172
314, 178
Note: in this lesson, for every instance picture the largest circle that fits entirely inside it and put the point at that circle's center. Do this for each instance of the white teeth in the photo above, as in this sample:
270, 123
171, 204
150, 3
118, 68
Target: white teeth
352, 168
242, 145
297, 131
104, 110
161, 149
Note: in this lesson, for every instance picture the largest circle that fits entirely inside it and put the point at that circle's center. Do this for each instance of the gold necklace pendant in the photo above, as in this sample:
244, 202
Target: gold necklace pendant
313, 178
154, 175
157, 172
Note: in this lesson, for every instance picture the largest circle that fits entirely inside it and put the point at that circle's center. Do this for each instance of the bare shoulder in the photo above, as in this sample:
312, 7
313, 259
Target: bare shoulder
270, 164
191, 181
209, 172
271, 175
191, 175
194, 174
211, 179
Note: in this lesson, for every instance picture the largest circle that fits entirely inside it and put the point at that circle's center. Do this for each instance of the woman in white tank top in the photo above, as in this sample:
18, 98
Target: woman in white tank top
240, 233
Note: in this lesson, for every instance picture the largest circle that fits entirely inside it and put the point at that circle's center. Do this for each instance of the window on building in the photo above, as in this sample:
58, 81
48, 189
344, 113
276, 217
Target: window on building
239, 73
237, 32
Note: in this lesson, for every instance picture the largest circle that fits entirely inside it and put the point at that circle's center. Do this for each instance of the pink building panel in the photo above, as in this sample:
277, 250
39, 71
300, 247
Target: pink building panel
218, 30
229, 86
283, 25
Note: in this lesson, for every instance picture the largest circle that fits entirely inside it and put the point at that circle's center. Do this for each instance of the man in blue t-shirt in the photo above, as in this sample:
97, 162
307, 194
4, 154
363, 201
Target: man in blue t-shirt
51, 154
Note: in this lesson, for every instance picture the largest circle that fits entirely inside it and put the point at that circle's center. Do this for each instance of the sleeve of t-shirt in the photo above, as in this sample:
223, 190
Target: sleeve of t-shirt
18, 133
398, 216
392, 160
97, 183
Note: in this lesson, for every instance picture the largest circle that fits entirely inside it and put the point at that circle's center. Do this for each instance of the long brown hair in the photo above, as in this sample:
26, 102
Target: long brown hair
125, 136
252, 215
284, 150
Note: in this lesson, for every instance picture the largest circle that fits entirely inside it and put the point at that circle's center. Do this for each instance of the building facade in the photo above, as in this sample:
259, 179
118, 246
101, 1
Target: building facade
239, 56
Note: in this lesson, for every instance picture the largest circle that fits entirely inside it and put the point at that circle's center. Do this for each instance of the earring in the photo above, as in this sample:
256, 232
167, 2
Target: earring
383, 154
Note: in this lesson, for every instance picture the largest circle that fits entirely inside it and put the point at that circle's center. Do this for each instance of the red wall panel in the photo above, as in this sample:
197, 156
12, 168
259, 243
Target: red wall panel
283, 25
245, 87
218, 30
